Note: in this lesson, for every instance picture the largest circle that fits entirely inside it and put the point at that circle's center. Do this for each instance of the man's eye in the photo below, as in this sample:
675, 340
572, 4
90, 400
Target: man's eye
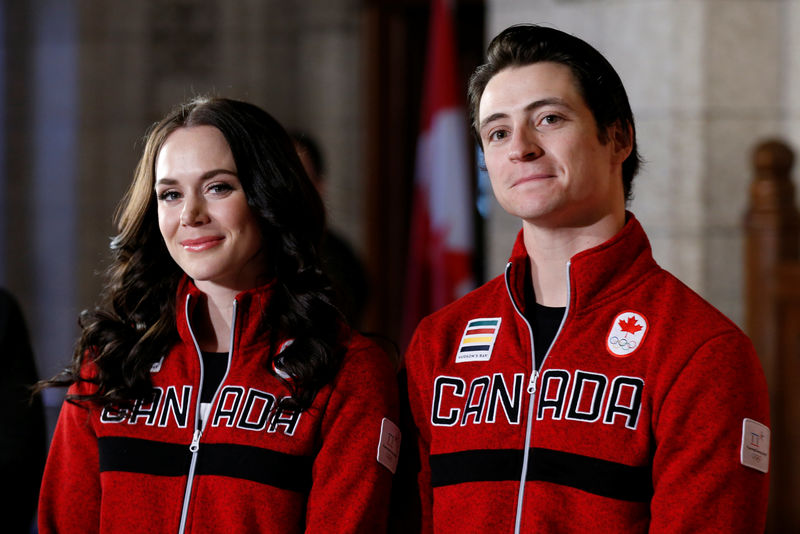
498, 135
551, 119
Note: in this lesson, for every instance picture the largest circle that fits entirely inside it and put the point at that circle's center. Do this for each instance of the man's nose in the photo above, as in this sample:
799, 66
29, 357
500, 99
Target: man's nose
524, 145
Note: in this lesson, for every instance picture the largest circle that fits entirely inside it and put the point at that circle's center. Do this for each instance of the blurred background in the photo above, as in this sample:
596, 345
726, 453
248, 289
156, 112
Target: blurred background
81, 81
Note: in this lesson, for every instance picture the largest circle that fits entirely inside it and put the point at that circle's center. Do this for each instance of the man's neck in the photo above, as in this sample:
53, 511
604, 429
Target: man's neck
550, 249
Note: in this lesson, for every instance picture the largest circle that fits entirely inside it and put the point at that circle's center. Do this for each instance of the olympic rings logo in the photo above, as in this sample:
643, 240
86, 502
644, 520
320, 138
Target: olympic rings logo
622, 343
626, 334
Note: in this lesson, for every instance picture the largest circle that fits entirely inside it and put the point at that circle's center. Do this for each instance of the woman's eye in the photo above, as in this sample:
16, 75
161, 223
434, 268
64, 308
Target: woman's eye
168, 195
219, 188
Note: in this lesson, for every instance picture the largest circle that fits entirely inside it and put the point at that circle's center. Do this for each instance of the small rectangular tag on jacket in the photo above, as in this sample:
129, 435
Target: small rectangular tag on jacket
389, 445
755, 445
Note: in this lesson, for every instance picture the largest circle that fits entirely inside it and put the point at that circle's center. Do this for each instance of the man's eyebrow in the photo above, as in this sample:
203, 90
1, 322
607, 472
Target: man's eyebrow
491, 118
552, 101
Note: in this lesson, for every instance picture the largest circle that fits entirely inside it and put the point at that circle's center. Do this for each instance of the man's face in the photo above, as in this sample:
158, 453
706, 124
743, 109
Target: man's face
545, 160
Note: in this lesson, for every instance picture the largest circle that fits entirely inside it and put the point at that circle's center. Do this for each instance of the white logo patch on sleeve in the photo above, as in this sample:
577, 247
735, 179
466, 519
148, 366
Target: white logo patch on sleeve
389, 445
755, 445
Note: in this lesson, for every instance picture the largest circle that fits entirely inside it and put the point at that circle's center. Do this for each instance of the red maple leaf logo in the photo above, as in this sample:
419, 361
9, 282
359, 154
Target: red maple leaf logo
629, 325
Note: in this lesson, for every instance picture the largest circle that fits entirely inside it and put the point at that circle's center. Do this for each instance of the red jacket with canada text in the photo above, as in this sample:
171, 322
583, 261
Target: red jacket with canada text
254, 468
648, 414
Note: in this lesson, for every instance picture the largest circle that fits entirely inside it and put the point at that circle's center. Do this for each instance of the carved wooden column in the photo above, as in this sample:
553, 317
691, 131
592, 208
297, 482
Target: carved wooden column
772, 227
785, 512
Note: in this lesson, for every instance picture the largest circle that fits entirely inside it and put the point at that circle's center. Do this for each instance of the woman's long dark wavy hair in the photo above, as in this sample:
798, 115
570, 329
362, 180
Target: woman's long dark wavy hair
134, 324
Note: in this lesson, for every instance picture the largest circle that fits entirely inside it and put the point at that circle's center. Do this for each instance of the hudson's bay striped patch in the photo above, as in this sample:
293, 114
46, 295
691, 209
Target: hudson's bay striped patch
478, 339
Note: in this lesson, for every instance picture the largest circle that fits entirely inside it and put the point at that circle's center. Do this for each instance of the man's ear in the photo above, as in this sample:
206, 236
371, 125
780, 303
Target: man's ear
621, 137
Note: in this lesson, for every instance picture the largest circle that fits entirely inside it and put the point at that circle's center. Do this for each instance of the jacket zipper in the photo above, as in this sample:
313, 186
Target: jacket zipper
194, 447
531, 389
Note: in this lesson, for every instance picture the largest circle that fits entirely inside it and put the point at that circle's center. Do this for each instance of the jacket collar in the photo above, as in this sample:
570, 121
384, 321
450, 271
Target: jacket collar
596, 274
249, 308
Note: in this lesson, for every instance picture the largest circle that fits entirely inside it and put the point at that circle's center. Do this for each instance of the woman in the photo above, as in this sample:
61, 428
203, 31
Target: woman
217, 388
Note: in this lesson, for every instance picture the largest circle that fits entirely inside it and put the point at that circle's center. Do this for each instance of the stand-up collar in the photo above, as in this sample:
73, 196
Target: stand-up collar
250, 306
594, 274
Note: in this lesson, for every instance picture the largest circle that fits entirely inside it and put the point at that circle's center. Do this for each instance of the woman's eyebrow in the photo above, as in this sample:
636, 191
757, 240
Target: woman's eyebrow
166, 180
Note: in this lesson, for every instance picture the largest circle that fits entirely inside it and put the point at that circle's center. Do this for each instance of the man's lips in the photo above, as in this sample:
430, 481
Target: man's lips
532, 178
201, 243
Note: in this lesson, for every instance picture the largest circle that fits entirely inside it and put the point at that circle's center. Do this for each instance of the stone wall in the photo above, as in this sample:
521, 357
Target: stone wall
707, 80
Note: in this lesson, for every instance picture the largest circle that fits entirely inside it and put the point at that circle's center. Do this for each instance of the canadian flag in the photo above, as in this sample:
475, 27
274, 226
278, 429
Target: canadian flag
441, 238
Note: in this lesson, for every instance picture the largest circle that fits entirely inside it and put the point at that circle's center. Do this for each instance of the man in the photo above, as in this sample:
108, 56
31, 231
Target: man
586, 390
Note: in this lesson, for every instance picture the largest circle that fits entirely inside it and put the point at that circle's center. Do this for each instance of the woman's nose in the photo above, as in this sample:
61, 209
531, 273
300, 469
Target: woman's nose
194, 212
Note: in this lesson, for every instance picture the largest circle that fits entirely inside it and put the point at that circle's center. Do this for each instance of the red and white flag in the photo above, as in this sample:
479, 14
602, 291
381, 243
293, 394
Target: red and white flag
441, 240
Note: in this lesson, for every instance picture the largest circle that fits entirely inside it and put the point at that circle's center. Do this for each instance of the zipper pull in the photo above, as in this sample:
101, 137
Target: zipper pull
532, 382
196, 440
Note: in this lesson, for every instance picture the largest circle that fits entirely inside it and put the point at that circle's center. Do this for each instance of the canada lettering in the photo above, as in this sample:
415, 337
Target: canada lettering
574, 396
247, 409
449, 409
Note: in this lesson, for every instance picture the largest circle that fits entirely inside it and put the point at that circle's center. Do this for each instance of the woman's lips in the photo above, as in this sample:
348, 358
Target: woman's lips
201, 243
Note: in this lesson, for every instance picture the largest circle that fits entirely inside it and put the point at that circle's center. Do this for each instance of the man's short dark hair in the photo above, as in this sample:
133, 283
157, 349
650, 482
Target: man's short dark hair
598, 82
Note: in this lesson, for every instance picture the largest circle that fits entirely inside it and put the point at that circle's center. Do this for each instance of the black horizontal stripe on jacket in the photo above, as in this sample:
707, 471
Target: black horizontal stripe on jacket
593, 475
265, 466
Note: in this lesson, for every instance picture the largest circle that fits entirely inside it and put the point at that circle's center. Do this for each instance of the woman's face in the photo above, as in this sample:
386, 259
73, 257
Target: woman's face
207, 225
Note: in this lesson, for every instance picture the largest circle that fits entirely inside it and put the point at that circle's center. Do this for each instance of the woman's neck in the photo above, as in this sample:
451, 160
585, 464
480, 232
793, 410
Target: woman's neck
211, 321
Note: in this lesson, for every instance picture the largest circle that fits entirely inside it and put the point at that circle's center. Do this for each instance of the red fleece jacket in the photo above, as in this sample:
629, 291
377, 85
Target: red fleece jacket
637, 421
254, 469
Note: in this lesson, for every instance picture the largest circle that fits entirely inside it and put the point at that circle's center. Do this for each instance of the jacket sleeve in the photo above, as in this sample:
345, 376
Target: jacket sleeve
699, 481
69, 500
350, 488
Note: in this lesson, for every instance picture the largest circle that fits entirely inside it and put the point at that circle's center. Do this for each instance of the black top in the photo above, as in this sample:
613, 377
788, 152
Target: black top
544, 321
545, 325
214, 366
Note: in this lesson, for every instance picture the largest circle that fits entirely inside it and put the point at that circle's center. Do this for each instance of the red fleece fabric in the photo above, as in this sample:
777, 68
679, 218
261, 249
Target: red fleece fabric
645, 439
256, 469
